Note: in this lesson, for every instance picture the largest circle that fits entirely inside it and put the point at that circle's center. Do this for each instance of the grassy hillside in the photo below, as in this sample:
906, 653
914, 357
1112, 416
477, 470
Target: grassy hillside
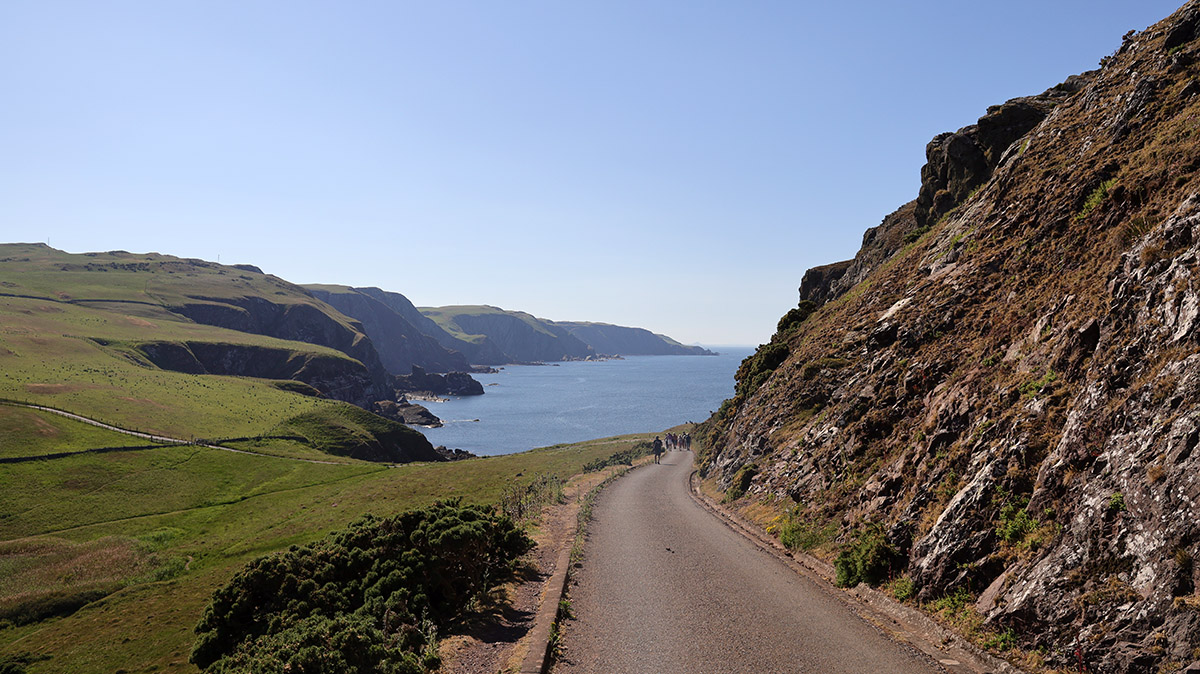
520, 336
158, 281
101, 359
82, 359
446, 318
156, 531
154, 286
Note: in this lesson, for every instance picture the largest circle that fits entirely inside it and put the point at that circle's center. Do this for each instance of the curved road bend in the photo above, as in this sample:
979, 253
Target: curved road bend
667, 588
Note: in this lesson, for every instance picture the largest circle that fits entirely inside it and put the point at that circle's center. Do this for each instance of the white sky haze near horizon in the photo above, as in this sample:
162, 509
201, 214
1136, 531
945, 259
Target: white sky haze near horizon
667, 165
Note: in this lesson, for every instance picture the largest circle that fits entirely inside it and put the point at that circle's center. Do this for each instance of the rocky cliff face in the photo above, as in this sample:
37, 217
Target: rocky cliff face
334, 377
295, 321
1011, 397
400, 344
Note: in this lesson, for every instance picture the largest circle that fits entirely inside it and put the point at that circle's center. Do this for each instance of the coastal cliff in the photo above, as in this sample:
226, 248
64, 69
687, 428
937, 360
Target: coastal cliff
995, 405
400, 343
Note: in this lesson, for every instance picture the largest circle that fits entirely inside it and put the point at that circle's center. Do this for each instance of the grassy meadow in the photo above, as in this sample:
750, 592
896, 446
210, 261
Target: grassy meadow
137, 541
108, 558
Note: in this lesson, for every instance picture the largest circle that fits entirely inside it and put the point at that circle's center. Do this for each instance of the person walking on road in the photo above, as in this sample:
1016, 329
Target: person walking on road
657, 446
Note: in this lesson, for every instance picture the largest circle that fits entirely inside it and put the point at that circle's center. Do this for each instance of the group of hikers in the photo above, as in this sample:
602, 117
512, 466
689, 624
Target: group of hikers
675, 441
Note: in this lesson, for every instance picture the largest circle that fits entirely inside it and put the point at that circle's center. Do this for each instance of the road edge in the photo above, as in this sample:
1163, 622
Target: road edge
542, 642
901, 623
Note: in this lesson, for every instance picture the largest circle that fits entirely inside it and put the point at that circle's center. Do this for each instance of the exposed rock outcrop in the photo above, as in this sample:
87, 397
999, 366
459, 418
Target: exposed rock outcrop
481, 351
817, 283
406, 413
334, 376
959, 162
298, 321
1014, 405
451, 384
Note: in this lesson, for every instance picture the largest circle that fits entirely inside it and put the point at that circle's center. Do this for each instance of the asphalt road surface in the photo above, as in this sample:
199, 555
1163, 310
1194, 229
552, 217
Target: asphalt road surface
667, 588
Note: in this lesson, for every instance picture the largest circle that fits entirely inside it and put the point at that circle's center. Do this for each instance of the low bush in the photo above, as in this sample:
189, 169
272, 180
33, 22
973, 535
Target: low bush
625, 457
524, 502
1096, 198
796, 316
797, 535
903, 588
868, 558
1015, 523
755, 369
741, 482
368, 598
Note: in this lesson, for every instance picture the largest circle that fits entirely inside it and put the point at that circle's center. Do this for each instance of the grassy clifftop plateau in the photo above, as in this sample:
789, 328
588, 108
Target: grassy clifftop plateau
101, 335
520, 337
494, 336
994, 408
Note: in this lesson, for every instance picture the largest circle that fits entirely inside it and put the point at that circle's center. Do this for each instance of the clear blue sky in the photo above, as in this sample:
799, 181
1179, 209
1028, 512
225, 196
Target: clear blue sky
670, 165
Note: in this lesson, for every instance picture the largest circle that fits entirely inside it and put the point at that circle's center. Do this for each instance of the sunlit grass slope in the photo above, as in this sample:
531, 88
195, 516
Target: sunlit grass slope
156, 531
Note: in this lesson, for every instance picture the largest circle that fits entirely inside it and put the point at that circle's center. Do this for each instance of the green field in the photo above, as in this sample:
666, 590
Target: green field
26, 432
130, 522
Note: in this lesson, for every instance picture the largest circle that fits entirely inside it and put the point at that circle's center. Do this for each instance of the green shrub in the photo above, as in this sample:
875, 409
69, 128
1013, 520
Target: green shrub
625, 457
1116, 503
903, 588
913, 235
741, 482
755, 369
366, 598
1000, 641
867, 559
1015, 523
1096, 198
1032, 388
796, 316
953, 604
797, 535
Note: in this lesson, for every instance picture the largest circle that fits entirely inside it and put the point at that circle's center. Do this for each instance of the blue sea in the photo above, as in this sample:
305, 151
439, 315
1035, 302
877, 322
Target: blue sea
528, 406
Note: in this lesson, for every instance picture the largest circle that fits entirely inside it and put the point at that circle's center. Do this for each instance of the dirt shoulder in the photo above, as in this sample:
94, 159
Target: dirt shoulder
498, 641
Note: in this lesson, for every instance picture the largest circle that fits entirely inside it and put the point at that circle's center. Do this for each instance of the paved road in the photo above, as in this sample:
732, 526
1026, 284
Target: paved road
667, 588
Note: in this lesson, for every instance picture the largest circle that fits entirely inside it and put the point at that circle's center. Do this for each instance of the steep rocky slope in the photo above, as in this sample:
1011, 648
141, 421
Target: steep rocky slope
400, 344
999, 397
